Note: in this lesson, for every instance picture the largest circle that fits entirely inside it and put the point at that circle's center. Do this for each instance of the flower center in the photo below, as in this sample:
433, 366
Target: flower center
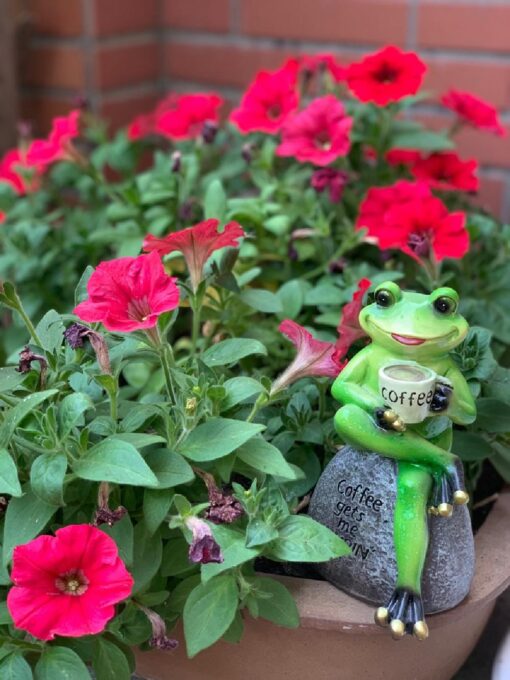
139, 309
274, 111
323, 140
73, 582
419, 243
386, 74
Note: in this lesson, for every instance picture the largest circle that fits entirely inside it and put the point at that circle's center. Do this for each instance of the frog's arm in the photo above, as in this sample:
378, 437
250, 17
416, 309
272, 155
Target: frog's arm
350, 388
462, 408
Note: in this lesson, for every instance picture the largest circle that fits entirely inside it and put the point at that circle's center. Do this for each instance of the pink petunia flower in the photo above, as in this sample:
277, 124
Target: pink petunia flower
348, 327
67, 584
129, 293
15, 170
269, 100
314, 357
474, 111
58, 145
196, 244
447, 171
379, 200
319, 134
141, 126
402, 156
203, 548
313, 64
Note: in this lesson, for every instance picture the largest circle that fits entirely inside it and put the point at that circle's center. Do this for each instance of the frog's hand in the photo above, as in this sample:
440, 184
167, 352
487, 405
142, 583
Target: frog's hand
350, 387
461, 408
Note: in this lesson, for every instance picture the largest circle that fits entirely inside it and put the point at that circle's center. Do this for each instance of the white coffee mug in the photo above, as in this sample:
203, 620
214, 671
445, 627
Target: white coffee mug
407, 388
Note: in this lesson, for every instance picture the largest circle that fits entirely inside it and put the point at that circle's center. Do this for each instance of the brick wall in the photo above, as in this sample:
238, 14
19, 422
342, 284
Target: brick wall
123, 54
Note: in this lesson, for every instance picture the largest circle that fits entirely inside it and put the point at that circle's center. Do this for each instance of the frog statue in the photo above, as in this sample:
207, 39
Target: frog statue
421, 330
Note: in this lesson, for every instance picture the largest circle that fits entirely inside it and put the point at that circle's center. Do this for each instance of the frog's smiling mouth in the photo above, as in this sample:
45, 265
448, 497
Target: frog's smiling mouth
408, 339
414, 340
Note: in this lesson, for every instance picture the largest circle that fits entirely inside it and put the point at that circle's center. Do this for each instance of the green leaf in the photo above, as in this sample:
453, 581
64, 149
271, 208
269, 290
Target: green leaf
275, 603
122, 534
15, 415
71, 410
109, 662
262, 300
156, 504
234, 632
14, 667
292, 297
263, 456
234, 550
239, 389
5, 617
50, 330
10, 378
176, 558
9, 482
169, 467
302, 539
138, 439
259, 532
147, 555
80, 293
116, 461
230, 351
422, 140
209, 612
60, 663
47, 477
492, 415
471, 446
24, 519
216, 438
215, 201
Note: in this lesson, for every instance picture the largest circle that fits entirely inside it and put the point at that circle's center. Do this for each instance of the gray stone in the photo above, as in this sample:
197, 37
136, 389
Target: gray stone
370, 572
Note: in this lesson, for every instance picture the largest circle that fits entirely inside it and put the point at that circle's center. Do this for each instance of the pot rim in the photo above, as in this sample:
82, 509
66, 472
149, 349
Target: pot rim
322, 606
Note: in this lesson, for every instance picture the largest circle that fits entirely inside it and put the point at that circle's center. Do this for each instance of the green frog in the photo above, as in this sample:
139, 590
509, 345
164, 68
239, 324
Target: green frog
423, 329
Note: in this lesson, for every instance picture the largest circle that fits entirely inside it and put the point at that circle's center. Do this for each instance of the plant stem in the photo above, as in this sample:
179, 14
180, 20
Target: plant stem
262, 400
195, 327
113, 405
165, 354
29, 325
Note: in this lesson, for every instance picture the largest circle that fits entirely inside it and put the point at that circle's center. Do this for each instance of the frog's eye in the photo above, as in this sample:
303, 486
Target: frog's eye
384, 297
445, 305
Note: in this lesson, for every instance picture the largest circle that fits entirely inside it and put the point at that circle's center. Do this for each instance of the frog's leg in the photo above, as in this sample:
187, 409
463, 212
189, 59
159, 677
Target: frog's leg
447, 489
359, 428
404, 611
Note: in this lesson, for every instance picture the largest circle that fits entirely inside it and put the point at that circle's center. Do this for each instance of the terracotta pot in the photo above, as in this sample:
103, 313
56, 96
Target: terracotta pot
337, 639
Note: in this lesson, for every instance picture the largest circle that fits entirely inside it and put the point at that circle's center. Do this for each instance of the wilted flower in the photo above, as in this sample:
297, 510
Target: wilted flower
129, 293
196, 244
223, 507
314, 357
67, 584
209, 131
176, 158
159, 639
104, 514
75, 335
26, 357
331, 179
203, 548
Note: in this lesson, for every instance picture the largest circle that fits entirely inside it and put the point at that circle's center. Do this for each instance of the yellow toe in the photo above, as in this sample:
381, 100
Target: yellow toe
445, 510
460, 497
398, 629
381, 616
420, 630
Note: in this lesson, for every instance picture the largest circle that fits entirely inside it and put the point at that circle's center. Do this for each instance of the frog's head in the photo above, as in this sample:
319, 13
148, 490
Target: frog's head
414, 325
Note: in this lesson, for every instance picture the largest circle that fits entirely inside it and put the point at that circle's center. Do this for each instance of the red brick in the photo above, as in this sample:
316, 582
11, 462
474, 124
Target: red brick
54, 67
62, 18
41, 109
119, 111
490, 196
353, 21
207, 63
466, 25
127, 65
487, 79
203, 15
114, 17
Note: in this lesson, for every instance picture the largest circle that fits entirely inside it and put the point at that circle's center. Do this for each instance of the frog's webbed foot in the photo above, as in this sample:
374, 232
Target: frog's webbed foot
403, 614
389, 420
447, 491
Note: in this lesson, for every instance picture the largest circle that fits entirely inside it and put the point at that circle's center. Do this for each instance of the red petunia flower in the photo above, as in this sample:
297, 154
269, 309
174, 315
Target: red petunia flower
386, 76
129, 293
58, 145
474, 111
3, 217
402, 156
348, 327
447, 171
313, 64
421, 228
319, 134
314, 357
15, 170
185, 116
196, 244
67, 584
379, 200
269, 100
331, 179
